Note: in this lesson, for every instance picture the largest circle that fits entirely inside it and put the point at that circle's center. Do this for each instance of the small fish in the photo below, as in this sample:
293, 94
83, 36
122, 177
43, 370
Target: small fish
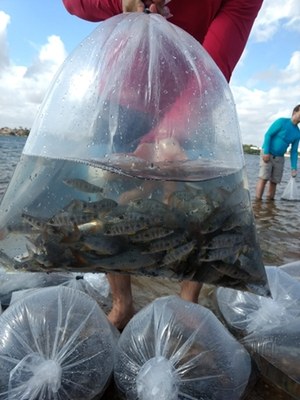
131, 260
166, 243
65, 219
76, 206
35, 222
102, 206
228, 254
150, 234
179, 253
238, 219
83, 186
102, 245
230, 270
22, 227
225, 240
124, 228
148, 206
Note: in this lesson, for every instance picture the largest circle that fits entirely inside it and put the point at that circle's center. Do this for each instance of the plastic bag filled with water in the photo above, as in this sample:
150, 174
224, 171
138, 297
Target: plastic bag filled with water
269, 328
291, 191
19, 284
134, 164
12, 282
176, 350
56, 343
246, 313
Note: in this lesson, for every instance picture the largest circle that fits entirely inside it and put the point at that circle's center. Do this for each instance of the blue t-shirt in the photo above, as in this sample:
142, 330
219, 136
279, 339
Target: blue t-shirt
279, 136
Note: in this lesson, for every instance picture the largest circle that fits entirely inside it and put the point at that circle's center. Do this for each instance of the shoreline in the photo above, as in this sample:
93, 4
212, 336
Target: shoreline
23, 132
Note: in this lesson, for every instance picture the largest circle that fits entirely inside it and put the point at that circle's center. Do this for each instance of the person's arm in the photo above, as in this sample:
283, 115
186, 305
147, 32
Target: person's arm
93, 10
294, 157
229, 31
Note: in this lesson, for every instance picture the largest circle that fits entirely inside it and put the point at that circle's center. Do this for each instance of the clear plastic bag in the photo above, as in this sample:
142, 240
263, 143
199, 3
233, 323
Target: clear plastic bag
276, 353
268, 328
292, 268
175, 350
246, 313
291, 191
56, 343
18, 281
15, 283
134, 164
97, 287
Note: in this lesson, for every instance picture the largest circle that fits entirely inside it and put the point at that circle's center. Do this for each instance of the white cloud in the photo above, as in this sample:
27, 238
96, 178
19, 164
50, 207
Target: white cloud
23, 87
274, 15
257, 109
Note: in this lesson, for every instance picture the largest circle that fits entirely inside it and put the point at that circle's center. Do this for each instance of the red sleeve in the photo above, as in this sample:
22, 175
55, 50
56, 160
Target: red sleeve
228, 33
93, 10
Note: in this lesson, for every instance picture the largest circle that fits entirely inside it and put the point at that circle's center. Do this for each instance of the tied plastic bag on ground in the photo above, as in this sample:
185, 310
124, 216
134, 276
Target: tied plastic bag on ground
13, 284
95, 285
269, 328
135, 165
276, 352
56, 343
176, 350
246, 313
18, 281
291, 191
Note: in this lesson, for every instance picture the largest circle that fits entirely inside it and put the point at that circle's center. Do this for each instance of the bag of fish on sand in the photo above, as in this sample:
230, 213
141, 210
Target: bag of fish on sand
55, 343
14, 284
95, 285
173, 349
13, 281
268, 327
112, 180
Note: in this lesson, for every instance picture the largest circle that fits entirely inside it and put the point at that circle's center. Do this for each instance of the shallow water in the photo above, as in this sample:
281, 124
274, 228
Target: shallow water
277, 228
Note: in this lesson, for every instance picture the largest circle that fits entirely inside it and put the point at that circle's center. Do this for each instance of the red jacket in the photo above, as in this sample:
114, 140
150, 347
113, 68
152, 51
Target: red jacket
221, 26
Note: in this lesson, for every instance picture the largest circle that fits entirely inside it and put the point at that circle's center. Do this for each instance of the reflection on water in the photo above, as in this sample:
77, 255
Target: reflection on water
278, 232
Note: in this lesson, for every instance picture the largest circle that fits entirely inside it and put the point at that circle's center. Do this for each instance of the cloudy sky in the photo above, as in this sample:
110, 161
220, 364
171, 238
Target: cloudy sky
36, 37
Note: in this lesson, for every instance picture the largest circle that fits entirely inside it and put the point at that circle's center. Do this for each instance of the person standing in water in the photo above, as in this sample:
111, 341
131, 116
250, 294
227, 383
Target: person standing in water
222, 27
282, 133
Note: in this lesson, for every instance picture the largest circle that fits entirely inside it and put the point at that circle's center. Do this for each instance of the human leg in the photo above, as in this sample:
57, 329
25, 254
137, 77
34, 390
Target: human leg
265, 172
272, 190
260, 187
190, 291
122, 302
277, 172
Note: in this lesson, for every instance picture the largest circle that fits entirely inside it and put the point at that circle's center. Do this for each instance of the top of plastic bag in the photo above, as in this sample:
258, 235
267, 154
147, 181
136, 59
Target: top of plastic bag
135, 79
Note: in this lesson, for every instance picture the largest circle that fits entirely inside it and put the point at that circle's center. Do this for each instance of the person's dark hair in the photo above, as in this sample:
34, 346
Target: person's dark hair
297, 108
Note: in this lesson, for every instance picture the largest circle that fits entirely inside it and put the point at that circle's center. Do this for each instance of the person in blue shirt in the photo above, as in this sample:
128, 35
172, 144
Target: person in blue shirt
282, 133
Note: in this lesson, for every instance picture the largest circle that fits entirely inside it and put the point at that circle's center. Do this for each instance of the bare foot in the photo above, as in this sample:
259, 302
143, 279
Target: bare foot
119, 316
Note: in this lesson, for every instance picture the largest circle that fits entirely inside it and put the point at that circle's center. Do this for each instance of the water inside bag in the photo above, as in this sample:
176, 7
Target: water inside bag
138, 172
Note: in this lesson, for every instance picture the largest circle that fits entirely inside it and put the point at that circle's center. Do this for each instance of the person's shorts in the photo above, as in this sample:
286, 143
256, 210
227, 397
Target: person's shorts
272, 170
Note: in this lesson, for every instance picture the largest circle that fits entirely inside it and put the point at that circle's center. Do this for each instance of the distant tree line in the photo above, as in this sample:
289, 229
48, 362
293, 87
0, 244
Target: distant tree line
250, 149
14, 131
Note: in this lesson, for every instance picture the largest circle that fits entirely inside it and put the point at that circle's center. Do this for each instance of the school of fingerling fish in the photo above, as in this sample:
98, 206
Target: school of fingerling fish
201, 233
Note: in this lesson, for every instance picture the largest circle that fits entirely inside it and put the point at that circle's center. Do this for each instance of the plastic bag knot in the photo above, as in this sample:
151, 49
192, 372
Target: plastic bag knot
157, 379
